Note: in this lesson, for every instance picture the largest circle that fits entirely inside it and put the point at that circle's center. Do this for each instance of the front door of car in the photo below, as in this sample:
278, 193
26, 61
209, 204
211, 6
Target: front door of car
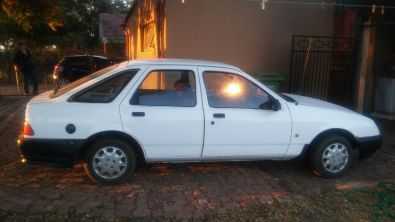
164, 113
243, 121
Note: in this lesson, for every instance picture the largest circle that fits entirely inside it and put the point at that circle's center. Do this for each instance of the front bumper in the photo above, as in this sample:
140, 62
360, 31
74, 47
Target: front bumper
369, 145
51, 151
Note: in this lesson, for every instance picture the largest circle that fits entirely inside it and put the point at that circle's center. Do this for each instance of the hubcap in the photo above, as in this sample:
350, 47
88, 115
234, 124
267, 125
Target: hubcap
335, 157
110, 162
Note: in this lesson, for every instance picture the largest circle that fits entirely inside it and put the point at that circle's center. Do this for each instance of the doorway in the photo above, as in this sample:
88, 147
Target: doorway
323, 67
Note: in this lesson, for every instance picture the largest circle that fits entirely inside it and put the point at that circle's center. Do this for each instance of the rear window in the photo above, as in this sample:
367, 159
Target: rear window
100, 63
76, 61
73, 85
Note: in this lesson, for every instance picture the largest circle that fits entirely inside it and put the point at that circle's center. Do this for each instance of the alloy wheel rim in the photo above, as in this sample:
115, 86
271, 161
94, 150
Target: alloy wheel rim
110, 162
335, 157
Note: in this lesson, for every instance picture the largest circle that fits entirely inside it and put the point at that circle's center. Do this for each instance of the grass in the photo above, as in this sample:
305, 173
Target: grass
384, 210
375, 204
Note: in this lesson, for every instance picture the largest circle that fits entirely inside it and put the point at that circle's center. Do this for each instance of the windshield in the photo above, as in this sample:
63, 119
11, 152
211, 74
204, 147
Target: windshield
75, 84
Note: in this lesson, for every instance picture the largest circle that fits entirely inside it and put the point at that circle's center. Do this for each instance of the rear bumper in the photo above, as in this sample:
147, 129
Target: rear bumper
51, 151
369, 145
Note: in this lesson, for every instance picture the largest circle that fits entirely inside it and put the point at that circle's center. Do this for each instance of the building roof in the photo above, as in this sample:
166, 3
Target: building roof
186, 62
110, 27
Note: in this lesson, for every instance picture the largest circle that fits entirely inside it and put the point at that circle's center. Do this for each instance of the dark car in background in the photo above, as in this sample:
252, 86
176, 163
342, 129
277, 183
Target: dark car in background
71, 68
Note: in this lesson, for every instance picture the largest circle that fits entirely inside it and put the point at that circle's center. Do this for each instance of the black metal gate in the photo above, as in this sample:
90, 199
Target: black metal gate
322, 67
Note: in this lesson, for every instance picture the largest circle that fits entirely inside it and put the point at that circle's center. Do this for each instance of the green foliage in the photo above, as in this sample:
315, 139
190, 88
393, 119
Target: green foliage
63, 22
379, 200
28, 14
385, 206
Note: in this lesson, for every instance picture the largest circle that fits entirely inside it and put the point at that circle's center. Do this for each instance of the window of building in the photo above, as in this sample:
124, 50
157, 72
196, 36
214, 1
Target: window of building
147, 27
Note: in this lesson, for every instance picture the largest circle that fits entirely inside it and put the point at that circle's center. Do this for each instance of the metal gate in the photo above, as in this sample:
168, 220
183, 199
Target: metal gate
322, 67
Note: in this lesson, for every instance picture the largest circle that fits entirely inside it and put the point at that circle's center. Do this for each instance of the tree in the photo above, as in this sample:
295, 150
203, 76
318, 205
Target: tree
28, 14
61, 22
65, 23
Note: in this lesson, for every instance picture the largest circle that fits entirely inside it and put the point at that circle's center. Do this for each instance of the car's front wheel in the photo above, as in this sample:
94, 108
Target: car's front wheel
332, 156
110, 161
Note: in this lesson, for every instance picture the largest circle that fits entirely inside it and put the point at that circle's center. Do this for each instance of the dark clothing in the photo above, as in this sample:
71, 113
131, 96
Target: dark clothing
23, 60
30, 79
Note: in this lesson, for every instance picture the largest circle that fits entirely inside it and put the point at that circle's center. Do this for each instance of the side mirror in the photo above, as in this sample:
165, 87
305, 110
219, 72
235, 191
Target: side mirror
272, 104
276, 105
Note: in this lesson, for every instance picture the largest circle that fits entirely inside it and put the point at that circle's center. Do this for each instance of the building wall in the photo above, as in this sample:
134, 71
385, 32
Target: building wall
239, 32
144, 31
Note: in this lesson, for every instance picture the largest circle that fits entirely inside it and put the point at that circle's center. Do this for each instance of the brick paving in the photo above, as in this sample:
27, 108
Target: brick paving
162, 190
181, 191
12, 90
11, 119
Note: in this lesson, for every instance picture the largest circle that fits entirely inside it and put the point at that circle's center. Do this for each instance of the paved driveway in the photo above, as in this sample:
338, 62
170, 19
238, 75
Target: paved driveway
181, 191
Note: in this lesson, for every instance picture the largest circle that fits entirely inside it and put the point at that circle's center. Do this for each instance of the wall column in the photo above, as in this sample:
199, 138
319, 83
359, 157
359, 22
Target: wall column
365, 75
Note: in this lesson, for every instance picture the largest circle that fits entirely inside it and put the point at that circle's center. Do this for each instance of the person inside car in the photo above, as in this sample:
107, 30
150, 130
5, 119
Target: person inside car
183, 83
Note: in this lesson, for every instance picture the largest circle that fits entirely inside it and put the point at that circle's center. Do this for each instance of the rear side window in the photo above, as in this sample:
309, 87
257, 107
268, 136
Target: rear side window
175, 88
75, 84
107, 90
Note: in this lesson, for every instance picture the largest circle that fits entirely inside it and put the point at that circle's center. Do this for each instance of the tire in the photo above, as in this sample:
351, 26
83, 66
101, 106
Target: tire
110, 161
332, 156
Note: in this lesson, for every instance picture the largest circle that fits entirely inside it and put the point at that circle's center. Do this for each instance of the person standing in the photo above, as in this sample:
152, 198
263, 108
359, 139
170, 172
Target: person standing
23, 64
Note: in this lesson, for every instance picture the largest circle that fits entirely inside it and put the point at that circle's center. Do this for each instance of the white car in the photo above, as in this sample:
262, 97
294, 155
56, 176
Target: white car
170, 110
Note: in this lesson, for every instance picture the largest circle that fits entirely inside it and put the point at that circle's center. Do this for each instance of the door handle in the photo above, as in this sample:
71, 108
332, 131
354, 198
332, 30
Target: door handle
138, 114
219, 115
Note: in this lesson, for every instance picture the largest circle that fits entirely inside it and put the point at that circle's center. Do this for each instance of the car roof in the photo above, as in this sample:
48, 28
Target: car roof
187, 62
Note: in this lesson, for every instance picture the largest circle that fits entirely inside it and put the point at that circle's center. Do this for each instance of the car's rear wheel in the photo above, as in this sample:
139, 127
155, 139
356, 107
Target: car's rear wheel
110, 161
332, 156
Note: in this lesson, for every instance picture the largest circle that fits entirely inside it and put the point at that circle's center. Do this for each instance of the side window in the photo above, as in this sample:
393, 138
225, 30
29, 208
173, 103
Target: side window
107, 90
226, 90
167, 88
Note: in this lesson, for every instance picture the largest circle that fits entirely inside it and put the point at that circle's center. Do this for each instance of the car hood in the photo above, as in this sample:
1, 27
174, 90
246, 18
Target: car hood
317, 103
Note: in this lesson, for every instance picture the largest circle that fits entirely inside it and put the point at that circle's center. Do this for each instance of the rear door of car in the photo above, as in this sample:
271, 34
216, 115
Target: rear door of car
164, 113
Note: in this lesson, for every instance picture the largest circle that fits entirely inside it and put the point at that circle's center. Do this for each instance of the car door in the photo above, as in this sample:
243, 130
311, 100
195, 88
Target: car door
164, 113
238, 124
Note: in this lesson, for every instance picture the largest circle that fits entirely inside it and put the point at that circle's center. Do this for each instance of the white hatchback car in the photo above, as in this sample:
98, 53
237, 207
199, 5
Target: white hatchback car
187, 111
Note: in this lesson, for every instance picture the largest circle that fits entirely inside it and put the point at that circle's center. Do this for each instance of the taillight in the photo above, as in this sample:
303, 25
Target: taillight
27, 129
